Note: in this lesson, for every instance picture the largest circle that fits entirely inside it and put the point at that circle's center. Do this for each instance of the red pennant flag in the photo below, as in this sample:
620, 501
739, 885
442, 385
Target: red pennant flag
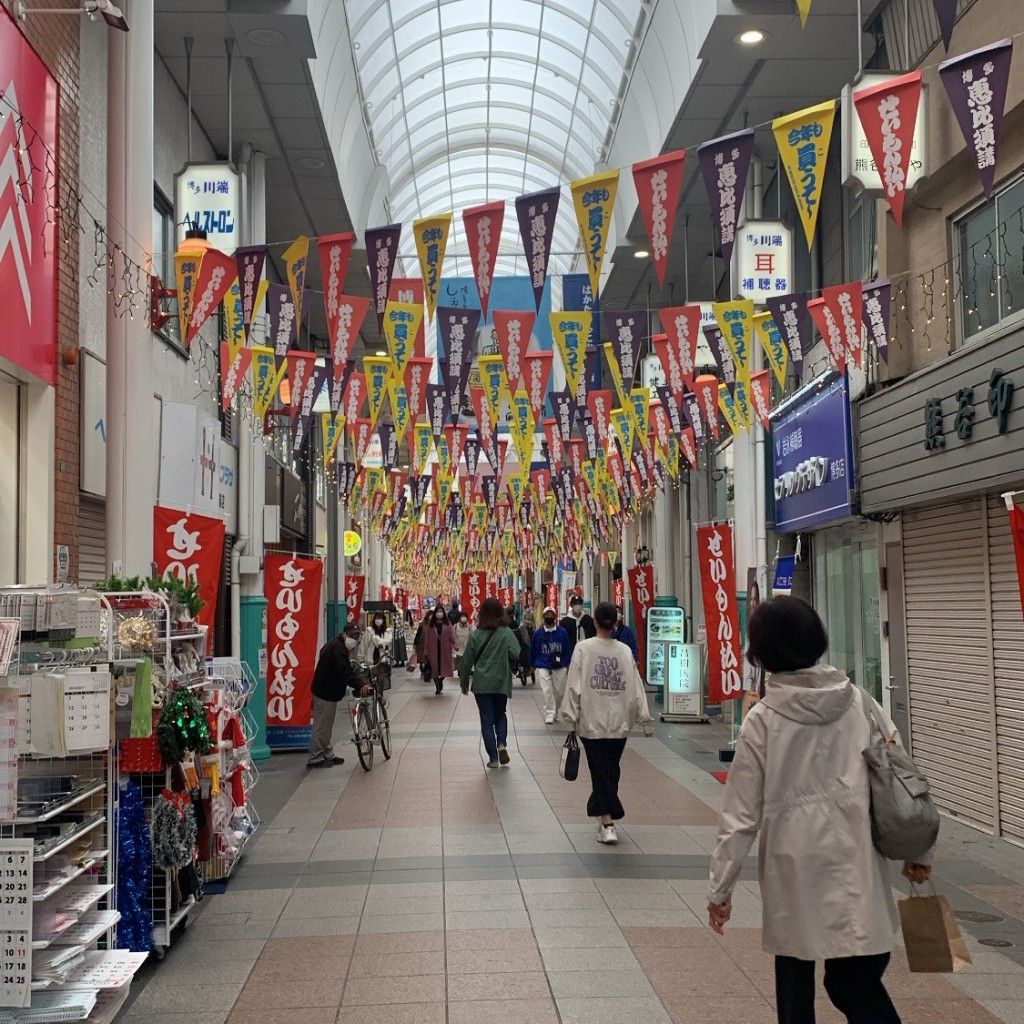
838, 315
360, 430
688, 443
232, 373
661, 426
705, 387
334, 252
217, 272
658, 184
300, 366
600, 405
483, 233
354, 587
513, 329
456, 436
888, 113
417, 376
483, 419
761, 396
355, 395
536, 376
554, 438
682, 325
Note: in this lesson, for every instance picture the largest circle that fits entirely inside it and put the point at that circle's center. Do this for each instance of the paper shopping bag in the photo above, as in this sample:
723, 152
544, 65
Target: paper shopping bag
932, 936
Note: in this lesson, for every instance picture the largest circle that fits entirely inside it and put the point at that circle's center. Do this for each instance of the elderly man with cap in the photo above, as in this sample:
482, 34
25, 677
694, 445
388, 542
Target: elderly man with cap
334, 676
549, 659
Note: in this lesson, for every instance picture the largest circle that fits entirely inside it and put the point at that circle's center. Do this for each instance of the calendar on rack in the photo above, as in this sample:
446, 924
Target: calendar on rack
8, 754
87, 708
15, 922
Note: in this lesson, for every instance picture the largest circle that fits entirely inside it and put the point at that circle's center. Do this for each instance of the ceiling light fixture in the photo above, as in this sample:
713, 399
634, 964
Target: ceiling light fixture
752, 37
380, 352
641, 254
265, 36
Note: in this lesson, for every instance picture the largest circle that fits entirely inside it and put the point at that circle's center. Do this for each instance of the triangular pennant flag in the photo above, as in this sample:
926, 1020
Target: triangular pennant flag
186, 271
599, 404
484, 419
300, 366
388, 445
570, 331
722, 354
724, 164
622, 422
803, 139
594, 201
945, 12
671, 407
431, 240
495, 384
302, 418
282, 316
658, 184
267, 374
727, 403
249, 260
830, 331
790, 315
536, 214
456, 437
804, 7
768, 335
437, 409
234, 326
423, 443
513, 329
761, 396
535, 380
639, 406
295, 258
627, 331
681, 324
355, 395
705, 387
521, 426
216, 273
472, 449
565, 414
401, 323
378, 371
554, 442
736, 322
483, 233
417, 376
689, 446
330, 431
233, 370
877, 301
399, 408
381, 256
457, 329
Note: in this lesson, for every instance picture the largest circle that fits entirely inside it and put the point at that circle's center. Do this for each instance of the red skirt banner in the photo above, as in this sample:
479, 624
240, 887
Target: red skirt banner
191, 547
641, 586
293, 587
354, 588
1017, 529
721, 612
474, 591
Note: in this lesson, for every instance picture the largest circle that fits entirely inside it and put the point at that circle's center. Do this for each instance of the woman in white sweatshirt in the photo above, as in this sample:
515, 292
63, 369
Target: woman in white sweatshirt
604, 699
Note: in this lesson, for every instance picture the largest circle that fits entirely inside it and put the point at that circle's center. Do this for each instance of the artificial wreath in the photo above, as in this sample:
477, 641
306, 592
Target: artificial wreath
137, 632
182, 726
174, 830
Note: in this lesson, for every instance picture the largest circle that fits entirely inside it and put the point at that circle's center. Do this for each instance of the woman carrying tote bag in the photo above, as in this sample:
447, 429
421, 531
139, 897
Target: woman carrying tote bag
800, 778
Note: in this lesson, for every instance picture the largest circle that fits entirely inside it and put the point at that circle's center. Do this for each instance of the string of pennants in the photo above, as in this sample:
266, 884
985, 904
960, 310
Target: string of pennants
603, 453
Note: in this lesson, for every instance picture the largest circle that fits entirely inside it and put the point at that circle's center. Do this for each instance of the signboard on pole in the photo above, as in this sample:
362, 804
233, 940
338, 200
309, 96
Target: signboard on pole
683, 696
664, 626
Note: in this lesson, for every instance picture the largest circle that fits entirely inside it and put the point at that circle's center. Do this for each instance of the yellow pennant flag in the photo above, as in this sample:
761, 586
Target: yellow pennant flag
444, 457
728, 406
331, 427
517, 484
495, 384
186, 272
736, 322
672, 456
613, 366
431, 235
744, 410
234, 327
399, 407
622, 423
375, 480
803, 140
804, 7
522, 426
775, 351
640, 403
444, 490
401, 325
377, 370
594, 200
571, 331
295, 257
266, 378
423, 438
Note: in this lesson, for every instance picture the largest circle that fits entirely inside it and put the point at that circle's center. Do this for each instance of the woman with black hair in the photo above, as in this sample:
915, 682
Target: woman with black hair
799, 777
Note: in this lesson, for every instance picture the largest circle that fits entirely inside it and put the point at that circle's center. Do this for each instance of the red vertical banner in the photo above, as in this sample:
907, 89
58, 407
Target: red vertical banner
641, 586
191, 547
551, 596
386, 593
619, 593
658, 184
474, 591
293, 588
1017, 529
354, 588
721, 612
507, 596
483, 232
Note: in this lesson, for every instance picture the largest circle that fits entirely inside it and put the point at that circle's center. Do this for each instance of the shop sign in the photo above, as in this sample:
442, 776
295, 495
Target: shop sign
812, 458
683, 679
998, 403
858, 165
205, 480
28, 131
664, 626
764, 260
353, 543
207, 197
785, 567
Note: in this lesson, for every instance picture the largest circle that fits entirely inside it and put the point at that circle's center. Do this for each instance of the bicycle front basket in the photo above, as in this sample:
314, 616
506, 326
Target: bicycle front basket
381, 677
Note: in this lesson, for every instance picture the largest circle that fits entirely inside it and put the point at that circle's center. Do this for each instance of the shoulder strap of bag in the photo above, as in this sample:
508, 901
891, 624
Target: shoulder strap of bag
871, 714
486, 642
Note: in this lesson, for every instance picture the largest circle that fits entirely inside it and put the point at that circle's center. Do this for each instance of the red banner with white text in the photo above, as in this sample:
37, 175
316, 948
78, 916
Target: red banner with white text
551, 596
721, 612
619, 593
354, 587
191, 547
641, 587
293, 588
474, 591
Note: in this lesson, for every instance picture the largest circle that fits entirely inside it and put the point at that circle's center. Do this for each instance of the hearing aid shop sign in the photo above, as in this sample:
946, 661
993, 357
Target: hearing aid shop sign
812, 457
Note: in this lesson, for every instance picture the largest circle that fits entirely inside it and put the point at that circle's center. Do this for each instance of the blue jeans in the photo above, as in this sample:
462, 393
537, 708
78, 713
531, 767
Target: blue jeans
493, 721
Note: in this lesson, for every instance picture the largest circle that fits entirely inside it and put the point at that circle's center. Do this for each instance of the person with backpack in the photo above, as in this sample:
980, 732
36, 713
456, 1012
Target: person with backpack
800, 777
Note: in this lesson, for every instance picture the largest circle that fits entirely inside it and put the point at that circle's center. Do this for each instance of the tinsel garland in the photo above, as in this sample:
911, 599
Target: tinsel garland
134, 873
182, 726
174, 831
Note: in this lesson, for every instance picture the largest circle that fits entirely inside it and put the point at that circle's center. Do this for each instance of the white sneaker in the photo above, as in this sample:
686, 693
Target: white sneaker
606, 834
493, 764
549, 719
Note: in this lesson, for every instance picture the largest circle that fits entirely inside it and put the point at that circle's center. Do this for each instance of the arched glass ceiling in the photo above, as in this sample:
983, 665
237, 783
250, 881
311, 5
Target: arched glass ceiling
471, 101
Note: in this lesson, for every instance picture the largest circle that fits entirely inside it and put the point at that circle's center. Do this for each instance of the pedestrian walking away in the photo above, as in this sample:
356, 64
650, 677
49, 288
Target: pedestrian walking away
549, 657
799, 777
486, 669
463, 631
604, 699
333, 677
440, 648
577, 625
626, 635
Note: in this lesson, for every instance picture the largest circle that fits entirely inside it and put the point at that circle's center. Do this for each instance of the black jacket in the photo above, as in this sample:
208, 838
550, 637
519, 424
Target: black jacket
582, 630
334, 672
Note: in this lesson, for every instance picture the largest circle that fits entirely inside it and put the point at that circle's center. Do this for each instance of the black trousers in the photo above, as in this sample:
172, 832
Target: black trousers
603, 757
853, 983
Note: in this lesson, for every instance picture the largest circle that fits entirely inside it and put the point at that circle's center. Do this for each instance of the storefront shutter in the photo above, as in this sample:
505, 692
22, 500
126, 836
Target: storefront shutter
92, 541
1007, 645
949, 655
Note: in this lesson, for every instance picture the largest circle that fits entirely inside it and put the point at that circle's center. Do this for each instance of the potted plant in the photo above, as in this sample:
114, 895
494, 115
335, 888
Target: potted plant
183, 598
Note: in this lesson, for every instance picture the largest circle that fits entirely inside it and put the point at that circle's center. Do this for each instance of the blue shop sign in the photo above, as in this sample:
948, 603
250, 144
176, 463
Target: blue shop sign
812, 457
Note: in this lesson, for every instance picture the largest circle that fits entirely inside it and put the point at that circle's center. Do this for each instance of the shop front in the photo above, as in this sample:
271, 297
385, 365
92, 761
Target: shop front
937, 452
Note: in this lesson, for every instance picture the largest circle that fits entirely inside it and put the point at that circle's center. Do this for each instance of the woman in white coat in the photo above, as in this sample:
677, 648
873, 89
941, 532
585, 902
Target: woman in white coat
800, 779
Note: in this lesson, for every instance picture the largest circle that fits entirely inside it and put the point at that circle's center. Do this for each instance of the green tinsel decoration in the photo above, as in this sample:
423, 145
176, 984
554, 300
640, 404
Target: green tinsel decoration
182, 727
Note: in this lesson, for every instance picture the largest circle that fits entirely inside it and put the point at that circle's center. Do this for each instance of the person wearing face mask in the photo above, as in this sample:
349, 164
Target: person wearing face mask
625, 635
577, 625
463, 631
440, 648
549, 657
333, 677
376, 640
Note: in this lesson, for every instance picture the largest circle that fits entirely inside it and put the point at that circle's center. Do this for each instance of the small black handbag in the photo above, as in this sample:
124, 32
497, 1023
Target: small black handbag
569, 767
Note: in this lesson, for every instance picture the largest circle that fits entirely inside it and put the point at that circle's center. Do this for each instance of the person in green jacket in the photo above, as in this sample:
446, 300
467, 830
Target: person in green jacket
487, 665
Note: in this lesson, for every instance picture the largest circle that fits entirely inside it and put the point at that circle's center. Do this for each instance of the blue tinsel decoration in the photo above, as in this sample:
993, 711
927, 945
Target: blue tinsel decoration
134, 873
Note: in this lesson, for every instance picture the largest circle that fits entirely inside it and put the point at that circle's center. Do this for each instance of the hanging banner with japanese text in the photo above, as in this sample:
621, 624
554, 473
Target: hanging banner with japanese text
331, 427
790, 315
281, 315
431, 240
513, 329
474, 593
594, 200
249, 261
570, 331
771, 343
877, 302
641, 589
627, 331
345, 315
483, 233
267, 374
724, 163
803, 139
217, 271
681, 324
457, 332
335, 251
721, 612
658, 184
381, 256
232, 372
190, 548
536, 213
722, 353
736, 322
976, 84
293, 591
186, 270
295, 258
761, 396
234, 327
705, 387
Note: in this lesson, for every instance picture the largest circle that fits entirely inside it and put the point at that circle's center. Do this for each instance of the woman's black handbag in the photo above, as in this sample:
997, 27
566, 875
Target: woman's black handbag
569, 767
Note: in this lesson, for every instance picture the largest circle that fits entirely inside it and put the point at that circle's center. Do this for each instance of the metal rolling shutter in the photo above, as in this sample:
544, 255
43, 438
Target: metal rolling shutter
92, 541
949, 656
1007, 645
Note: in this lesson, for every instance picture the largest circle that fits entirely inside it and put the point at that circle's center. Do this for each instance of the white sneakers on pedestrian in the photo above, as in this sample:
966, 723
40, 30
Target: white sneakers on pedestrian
606, 834
493, 764
549, 718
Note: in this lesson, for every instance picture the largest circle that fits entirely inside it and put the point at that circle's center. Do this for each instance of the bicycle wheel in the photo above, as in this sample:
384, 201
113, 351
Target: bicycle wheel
364, 742
384, 729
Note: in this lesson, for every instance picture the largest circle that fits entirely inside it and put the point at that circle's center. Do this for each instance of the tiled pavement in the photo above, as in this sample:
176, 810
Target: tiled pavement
431, 891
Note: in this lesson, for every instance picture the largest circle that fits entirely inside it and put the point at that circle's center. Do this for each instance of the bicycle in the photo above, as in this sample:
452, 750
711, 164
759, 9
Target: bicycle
370, 722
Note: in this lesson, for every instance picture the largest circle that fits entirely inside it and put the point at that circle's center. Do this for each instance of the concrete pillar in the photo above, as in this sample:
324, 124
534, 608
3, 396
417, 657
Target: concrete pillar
132, 428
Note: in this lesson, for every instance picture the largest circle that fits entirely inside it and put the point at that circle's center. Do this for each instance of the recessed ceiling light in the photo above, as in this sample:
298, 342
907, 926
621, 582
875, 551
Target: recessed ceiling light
641, 254
751, 37
265, 36
310, 163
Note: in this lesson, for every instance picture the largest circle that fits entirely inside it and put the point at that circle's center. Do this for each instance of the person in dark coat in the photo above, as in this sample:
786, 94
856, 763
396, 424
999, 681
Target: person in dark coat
624, 634
333, 677
577, 625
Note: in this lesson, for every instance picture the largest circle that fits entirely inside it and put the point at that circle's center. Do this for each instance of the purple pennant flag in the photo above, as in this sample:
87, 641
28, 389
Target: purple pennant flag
876, 304
724, 163
437, 408
659, 476
250, 260
723, 355
310, 393
346, 479
945, 11
565, 416
976, 85
420, 485
589, 431
281, 310
524, 514
381, 255
457, 329
489, 485
790, 315
337, 385
670, 403
691, 410
558, 490
643, 470
388, 445
627, 331
567, 478
536, 213
472, 452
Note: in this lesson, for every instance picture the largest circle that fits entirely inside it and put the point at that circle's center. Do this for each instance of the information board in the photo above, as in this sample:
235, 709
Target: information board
664, 626
683, 681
